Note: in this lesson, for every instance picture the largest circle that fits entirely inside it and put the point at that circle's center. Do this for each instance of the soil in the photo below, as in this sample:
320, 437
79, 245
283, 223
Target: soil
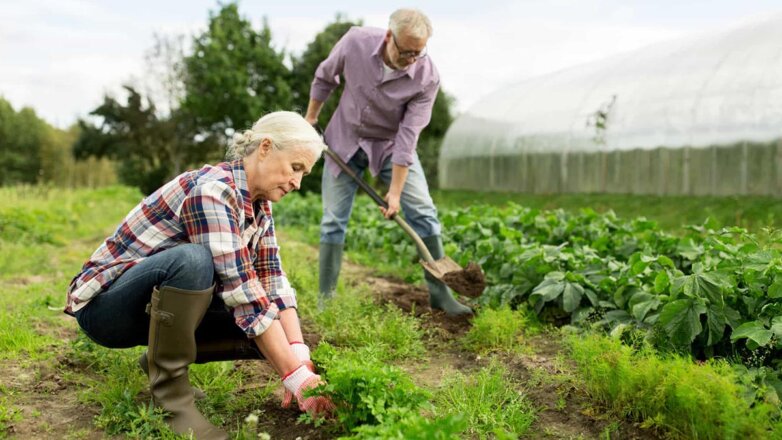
469, 282
50, 406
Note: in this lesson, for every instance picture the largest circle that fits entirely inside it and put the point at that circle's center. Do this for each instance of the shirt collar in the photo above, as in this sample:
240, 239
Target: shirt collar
240, 180
379, 54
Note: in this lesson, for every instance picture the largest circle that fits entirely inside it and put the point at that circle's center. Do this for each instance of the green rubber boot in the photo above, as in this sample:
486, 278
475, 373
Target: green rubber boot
330, 259
440, 296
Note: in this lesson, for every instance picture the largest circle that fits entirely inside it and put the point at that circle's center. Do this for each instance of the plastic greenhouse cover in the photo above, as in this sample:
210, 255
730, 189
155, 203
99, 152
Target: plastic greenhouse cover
712, 89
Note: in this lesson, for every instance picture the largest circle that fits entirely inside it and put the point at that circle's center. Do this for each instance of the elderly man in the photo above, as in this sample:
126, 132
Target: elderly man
390, 88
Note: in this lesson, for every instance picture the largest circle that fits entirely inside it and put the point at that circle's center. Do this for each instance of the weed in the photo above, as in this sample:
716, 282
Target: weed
697, 401
489, 401
498, 330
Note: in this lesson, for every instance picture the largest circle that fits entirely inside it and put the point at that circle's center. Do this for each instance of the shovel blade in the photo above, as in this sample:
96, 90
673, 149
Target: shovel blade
469, 281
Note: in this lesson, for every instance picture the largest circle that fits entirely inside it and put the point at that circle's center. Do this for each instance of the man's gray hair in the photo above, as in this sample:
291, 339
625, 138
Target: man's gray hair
285, 130
411, 22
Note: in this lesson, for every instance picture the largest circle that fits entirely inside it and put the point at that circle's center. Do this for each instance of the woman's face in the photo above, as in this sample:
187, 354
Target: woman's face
278, 172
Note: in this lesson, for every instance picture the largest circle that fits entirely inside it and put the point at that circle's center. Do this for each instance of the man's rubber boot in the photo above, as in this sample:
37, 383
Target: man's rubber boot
440, 296
174, 316
215, 351
330, 259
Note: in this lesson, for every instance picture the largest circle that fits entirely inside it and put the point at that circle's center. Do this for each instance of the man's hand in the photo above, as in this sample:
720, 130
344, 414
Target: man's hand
301, 380
393, 205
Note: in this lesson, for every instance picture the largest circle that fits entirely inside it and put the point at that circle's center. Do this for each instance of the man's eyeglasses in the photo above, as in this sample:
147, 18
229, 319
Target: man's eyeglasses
408, 53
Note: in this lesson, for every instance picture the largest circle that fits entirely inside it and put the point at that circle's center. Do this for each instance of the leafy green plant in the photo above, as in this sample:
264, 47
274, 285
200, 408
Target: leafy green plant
365, 390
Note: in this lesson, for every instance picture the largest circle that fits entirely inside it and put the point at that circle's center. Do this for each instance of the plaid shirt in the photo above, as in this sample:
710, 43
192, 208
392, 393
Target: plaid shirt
211, 207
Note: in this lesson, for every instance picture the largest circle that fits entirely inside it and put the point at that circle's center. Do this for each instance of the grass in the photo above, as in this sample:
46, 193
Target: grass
687, 400
671, 212
490, 402
500, 330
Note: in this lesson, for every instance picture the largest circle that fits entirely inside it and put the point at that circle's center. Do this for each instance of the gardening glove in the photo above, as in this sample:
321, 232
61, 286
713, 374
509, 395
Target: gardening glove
297, 382
302, 353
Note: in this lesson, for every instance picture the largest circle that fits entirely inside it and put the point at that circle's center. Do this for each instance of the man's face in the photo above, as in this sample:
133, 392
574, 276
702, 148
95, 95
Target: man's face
403, 49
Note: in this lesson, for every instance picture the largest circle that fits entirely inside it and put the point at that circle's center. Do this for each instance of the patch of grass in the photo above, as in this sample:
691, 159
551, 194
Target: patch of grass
490, 402
357, 322
685, 399
499, 330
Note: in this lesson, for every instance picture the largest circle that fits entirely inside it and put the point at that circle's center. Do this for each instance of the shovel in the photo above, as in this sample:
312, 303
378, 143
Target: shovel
468, 281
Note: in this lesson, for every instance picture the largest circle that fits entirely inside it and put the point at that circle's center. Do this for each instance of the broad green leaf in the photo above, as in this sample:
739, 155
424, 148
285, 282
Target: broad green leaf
753, 330
665, 261
775, 289
661, 282
548, 290
776, 327
681, 321
643, 305
592, 297
715, 324
571, 297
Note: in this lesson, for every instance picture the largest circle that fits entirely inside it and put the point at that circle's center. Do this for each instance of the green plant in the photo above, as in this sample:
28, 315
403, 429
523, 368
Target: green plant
366, 391
489, 402
496, 330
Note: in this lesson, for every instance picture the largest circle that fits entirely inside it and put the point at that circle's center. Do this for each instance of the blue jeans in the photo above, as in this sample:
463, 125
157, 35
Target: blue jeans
338, 194
117, 317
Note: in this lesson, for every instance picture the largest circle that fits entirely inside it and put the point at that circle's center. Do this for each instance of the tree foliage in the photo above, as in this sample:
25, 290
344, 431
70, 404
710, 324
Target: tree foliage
150, 149
234, 75
304, 68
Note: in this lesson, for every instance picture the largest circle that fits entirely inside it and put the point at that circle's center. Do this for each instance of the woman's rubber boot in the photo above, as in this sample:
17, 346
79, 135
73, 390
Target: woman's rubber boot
440, 296
330, 262
174, 317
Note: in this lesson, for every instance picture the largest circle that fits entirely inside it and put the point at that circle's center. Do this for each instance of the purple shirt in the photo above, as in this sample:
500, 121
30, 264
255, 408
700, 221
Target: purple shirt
383, 118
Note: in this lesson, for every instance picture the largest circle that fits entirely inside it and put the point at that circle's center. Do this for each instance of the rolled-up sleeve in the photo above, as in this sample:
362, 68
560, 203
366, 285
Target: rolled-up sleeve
418, 113
327, 74
268, 266
210, 217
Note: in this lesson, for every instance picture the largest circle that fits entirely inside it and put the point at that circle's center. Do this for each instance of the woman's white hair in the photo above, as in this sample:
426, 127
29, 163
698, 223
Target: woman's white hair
286, 130
411, 22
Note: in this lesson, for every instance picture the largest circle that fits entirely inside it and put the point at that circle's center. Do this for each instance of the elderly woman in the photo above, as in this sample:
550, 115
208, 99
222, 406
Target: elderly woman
193, 272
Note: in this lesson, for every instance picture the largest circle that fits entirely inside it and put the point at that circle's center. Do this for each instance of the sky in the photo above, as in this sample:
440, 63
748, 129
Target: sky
61, 57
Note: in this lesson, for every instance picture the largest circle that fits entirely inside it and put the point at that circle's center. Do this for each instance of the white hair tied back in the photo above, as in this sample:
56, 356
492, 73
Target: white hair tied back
284, 129
246, 138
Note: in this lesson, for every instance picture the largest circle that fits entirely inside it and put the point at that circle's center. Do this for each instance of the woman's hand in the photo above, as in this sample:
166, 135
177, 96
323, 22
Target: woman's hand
299, 381
302, 352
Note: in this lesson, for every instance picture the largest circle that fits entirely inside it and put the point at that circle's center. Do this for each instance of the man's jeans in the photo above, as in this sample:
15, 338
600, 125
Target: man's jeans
117, 318
338, 194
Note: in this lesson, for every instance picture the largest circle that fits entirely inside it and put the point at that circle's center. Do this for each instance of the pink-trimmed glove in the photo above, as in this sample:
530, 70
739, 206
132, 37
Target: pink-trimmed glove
302, 379
302, 353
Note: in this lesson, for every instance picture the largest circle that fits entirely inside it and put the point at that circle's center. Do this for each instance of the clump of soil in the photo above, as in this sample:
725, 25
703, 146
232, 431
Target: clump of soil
469, 282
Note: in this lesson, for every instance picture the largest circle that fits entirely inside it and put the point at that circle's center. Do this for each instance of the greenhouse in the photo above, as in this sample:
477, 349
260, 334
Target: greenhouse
695, 116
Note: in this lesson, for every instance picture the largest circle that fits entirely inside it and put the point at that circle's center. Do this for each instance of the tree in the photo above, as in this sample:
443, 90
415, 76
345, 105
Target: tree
304, 71
233, 75
21, 136
150, 149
